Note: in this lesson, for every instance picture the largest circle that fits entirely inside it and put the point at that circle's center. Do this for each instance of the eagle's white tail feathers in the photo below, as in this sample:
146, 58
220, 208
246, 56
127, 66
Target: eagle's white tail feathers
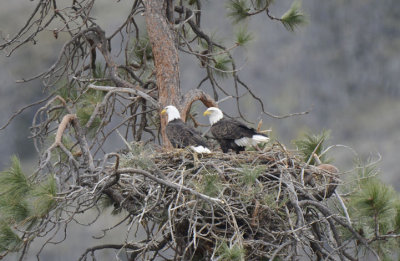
200, 149
245, 141
260, 138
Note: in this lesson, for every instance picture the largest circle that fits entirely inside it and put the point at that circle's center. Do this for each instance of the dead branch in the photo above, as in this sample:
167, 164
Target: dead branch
61, 128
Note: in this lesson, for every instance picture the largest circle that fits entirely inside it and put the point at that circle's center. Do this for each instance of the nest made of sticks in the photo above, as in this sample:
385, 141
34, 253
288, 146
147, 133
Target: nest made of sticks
213, 204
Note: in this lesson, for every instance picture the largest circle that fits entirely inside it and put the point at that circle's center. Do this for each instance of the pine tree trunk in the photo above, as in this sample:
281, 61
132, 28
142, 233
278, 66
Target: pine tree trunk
166, 60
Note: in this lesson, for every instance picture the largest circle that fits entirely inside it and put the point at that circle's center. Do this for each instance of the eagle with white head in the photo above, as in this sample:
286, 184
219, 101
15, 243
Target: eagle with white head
232, 134
182, 135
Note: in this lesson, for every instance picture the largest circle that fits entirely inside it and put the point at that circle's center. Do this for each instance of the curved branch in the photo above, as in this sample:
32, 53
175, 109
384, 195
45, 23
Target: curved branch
192, 96
63, 125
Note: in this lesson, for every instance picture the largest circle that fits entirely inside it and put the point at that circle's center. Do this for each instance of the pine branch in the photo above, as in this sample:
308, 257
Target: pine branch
13, 182
43, 197
221, 65
9, 241
375, 198
243, 36
294, 17
14, 209
261, 4
238, 10
397, 218
312, 144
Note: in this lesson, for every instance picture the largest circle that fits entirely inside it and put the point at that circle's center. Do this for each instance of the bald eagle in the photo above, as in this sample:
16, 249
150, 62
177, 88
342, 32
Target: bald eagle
181, 135
232, 134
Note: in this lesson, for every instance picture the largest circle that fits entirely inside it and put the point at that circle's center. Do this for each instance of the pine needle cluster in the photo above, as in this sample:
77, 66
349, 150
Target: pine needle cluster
9, 240
250, 174
138, 156
210, 185
238, 10
243, 36
222, 63
233, 253
142, 51
87, 104
263, 3
22, 204
294, 17
313, 143
374, 207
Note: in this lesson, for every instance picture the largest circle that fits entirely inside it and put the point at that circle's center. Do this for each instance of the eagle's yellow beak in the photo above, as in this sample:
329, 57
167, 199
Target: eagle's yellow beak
164, 111
207, 112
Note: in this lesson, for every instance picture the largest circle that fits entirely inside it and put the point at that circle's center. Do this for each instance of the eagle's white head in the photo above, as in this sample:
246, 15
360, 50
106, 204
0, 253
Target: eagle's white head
172, 113
214, 114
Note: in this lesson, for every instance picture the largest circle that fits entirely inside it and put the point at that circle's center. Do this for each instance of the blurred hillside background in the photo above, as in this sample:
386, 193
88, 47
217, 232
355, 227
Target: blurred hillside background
345, 65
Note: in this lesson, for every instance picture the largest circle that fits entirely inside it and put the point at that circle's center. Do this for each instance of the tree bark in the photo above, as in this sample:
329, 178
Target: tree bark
166, 60
163, 39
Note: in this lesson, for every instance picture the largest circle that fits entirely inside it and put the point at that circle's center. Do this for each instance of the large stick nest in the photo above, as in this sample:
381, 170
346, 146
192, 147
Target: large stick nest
252, 205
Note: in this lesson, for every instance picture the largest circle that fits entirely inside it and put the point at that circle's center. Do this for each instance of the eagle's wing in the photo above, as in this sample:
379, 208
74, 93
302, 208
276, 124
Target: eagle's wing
196, 138
232, 130
182, 135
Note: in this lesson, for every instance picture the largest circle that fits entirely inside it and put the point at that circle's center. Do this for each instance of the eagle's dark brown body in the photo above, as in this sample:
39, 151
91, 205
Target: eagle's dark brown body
181, 135
228, 131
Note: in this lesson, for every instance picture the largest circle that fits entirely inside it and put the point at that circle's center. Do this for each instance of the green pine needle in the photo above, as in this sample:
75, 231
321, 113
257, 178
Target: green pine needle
192, 2
215, 37
67, 91
294, 17
238, 10
234, 253
105, 202
87, 104
84, 114
309, 143
94, 96
143, 51
375, 198
13, 182
271, 202
250, 175
259, 4
139, 156
222, 62
14, 209
43, 195
243, 36
211, 185
99, 71
9, 241
397, 217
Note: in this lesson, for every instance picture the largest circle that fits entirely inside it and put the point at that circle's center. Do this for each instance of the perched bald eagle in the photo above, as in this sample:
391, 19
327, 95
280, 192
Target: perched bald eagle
181, 135
232, 134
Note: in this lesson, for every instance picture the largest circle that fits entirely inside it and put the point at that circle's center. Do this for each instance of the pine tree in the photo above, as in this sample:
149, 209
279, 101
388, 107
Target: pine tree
265, 204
